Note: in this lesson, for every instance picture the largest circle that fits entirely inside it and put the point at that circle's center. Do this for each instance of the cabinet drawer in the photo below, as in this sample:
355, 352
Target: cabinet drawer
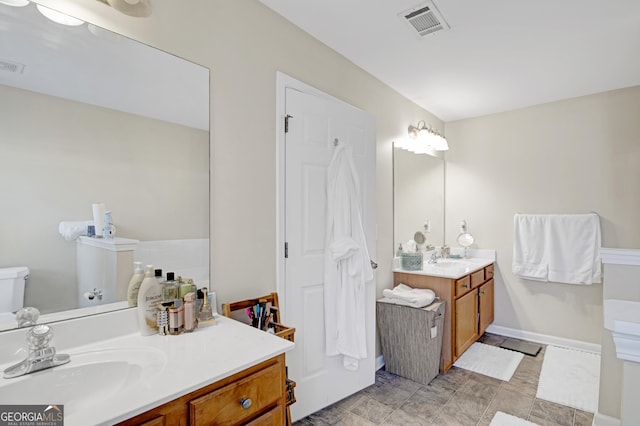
273, 417
463, 285
477, 278
488, 272
223, 406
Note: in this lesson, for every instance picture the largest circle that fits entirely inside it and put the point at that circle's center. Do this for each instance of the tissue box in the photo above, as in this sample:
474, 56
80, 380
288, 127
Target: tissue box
411, 261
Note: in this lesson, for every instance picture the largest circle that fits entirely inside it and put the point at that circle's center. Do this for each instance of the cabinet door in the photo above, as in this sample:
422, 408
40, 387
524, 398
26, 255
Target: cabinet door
466, 321
485, 294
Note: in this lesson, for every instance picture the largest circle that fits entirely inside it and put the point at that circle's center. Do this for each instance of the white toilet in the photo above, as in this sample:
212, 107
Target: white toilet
12, 284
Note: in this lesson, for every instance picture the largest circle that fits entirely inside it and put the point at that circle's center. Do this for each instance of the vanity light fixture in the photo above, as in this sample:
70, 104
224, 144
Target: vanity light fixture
59, 17
137, 8
423, 137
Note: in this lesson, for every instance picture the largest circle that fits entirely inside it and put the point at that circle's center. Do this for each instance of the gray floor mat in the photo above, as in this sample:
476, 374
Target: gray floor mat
526, 348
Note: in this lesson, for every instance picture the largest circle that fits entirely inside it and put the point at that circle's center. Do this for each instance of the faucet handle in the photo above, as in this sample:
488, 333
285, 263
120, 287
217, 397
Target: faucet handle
27, 316
39, 337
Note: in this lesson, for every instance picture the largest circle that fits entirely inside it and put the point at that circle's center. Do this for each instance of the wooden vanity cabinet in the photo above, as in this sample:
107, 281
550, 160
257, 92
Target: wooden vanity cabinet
469, 309
255, 396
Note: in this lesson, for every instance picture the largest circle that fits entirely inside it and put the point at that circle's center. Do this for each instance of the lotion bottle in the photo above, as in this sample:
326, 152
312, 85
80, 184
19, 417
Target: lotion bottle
134, 284
149, 298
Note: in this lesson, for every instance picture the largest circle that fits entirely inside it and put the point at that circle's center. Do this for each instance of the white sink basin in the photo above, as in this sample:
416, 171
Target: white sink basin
453, 263
89, 379
450, 267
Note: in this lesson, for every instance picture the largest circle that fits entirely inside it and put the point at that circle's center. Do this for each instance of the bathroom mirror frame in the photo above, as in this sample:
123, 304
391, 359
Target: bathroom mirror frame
418, 197
64, 201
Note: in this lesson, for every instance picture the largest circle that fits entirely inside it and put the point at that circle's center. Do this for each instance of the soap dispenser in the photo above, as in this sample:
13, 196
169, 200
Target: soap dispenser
149, 297
134, 284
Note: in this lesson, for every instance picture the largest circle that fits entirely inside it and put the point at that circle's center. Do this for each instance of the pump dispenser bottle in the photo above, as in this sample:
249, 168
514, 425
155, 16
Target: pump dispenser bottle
149, 298
134, 284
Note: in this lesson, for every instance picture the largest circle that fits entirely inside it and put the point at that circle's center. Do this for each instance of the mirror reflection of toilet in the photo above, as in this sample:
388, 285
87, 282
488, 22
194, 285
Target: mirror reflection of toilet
12, 284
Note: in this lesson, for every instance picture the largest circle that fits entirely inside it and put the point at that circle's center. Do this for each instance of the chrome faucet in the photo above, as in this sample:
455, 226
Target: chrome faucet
41, 355
434, 257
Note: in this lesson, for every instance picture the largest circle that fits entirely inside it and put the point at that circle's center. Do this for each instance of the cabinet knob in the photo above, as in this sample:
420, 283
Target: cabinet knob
246, 403
466, 286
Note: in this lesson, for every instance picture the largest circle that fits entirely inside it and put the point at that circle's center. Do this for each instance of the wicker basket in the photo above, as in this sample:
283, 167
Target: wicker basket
284, 331
411, 261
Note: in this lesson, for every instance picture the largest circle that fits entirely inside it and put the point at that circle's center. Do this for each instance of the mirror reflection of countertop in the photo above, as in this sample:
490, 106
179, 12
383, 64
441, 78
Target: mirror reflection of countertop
451, 267
126, 373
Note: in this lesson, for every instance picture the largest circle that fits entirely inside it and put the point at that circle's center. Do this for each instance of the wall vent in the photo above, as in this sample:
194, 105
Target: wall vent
13, 67
425, 19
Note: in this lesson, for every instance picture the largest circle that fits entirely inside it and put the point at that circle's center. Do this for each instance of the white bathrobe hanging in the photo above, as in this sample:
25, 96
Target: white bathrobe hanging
347, 265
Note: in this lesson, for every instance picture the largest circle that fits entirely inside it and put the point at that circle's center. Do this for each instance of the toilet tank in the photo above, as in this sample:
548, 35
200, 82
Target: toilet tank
12, 283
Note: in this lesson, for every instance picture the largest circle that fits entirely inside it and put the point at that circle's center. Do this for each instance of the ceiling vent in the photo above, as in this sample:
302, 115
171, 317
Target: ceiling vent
425, 19
9, 66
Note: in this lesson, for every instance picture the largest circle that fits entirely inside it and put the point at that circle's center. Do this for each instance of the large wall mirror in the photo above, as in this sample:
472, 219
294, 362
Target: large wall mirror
91, 116
418, 197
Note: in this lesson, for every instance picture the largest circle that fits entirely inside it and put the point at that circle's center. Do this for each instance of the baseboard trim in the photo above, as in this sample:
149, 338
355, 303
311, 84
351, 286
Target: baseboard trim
379, 362
603, 420
543, 338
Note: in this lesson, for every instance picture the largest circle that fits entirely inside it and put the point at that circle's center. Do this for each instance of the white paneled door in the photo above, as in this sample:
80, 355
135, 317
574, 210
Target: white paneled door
315, 124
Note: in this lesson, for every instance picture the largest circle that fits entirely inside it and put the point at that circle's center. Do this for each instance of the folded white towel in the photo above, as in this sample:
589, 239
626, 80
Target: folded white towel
70, 230
404, 295
574, 248
529, 247
558, 248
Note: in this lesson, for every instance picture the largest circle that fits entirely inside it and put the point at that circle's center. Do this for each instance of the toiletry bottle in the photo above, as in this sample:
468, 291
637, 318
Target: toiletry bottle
169, 288
205, 313
399, 251
163, 318
184, 287
190, 314
134, 284
194, 288
176, 317
149, 296
109, 230
158, 275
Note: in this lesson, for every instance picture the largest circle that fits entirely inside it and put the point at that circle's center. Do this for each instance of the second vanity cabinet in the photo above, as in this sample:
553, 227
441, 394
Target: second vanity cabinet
255, 396
469, 309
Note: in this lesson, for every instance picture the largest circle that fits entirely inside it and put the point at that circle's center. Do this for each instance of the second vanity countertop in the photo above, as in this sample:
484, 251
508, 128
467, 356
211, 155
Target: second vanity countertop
453, 268
166, 367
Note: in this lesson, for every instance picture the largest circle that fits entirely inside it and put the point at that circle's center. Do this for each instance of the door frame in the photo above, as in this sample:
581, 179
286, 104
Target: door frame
284, 82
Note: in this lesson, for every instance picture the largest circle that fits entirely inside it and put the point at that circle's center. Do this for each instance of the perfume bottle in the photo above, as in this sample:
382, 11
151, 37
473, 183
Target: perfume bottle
205, 313
190, 313
176, 317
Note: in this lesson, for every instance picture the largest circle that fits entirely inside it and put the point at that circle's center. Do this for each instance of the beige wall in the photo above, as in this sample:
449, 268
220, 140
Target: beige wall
59, 157
245, 44
574, 156
571, 156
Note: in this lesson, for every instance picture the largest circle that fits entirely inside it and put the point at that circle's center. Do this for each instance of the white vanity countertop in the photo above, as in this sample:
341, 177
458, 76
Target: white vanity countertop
178, 365
453, 268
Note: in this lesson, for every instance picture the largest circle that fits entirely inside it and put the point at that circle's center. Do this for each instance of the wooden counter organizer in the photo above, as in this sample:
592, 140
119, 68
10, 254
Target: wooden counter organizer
279, 329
